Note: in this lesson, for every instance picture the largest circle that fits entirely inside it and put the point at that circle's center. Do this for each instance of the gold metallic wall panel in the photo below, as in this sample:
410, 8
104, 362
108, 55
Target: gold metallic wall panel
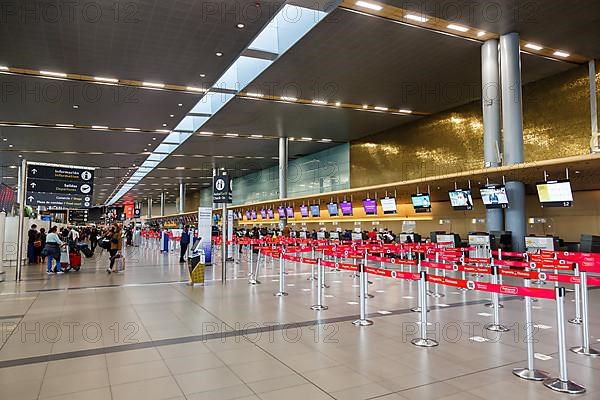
556, 117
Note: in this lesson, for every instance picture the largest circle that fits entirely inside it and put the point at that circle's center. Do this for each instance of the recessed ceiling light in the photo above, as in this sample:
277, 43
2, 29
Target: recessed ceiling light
405, 111
256, 136
172, 115
65, 125
20, 156
338, 103
4, 139
99, 127
51, 73
231, 134
10, 145
317, 101
153, 138
306, 138
202, 75
365, 106
163, 130
218, 54
75, 106
378, 108
207, 133
13, 167
164, 124
481, 33
175, 168
459, 28
149, 144
560, 53
3, 68
133, 129
240, 25
370, 6
179, 105
145, 150
101, 79
325, 140
533, 46
287, 98
153, 84
417, 18
194, 89
254, 94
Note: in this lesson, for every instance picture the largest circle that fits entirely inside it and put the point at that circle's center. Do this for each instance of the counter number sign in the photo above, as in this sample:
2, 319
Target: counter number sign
222, 191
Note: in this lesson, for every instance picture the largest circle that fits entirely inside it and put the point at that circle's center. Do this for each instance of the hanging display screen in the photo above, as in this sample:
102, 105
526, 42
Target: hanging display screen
555, 193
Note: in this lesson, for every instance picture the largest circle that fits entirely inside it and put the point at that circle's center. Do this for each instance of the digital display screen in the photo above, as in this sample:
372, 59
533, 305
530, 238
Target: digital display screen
332, 209
253, 214
388, 205
304, 211
248, 215
346, 208
555, 193
421, 202
270, 213
290, 212
263, 213
315, 211
494, 196
370, 206
461, 199
281, 212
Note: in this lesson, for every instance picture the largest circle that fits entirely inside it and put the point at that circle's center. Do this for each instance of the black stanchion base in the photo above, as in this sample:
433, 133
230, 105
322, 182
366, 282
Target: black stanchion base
368, 296
280, 294
253, 282
589, 352
319, 307
311, 278
531, 374
418, 309
491, 305
362, 322
569, 387
424, 342
436, 295
576, 321
496, 328
324, 286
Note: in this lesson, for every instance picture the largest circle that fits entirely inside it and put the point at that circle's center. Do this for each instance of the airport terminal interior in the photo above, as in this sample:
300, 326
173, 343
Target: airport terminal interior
299, 199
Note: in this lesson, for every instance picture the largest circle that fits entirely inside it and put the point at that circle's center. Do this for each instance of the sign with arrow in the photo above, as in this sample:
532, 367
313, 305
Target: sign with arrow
61, 186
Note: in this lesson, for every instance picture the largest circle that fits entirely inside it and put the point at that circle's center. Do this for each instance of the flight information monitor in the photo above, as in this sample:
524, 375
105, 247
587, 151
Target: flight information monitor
315, 211
346, 208
555, 193
370, 206
494, 196
461, 199
304, 211
421, 202
388, 205
332, 209
290, 212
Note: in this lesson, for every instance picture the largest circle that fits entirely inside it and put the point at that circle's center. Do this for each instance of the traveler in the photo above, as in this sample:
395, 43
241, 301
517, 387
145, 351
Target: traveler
43, 241
52, 250
184, 241
33, 242
116, 244
373, 234
94, 238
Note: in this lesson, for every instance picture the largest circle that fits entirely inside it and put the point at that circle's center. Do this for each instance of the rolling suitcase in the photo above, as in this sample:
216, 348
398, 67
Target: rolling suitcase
64, 260
75, 261
87, 252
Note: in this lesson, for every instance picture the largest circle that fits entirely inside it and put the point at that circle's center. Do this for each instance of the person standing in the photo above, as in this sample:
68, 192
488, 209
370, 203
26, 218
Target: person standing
33, 241
116, 244
93, 238
184, 241
52, 250
38, 251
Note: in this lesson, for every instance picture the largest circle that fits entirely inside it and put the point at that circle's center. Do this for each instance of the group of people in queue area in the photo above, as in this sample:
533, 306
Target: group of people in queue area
386, 235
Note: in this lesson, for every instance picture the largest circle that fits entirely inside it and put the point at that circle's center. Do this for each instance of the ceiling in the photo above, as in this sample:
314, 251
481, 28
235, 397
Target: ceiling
348, 57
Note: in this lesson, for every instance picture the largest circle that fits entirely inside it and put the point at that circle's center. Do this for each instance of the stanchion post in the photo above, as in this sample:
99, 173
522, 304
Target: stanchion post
585, 348
435, 292
254, 278
319, 306
362, 301
423, 340
530, 373
250, 265
577, 320
419, 306
312, 267
496, 326
562, 383
282, 291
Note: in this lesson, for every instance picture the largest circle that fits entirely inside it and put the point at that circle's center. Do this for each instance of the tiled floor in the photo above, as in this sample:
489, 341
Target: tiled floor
90, 335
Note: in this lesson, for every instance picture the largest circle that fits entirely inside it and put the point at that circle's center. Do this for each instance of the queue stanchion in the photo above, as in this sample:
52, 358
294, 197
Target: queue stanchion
463, 274
497, 280
496, 326
250, 265
530, 373
320, 273
577, 320
585, 348
562, 383
423, 340
420, 303
362, 321
282, 291
435, 292
254, 278
312, 267
369, 296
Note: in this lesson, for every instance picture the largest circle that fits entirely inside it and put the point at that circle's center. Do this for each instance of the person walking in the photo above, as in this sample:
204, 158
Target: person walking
52, 250
94, 238
33, 241
116, 245
43, 241
184, 242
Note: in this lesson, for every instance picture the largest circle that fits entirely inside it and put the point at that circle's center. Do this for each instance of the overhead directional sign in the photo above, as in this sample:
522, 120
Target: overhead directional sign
222, 190
61, 186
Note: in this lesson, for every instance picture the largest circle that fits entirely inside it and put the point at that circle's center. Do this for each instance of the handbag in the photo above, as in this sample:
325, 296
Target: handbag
37, 244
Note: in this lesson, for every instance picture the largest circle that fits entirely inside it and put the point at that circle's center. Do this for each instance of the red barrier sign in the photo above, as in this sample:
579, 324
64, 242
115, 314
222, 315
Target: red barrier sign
493, 288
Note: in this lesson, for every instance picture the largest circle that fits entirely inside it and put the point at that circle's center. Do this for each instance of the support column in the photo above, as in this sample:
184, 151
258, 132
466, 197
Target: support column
595, 144
162, 204
181, 197
149, 207
512, 122
283, 174
490, 80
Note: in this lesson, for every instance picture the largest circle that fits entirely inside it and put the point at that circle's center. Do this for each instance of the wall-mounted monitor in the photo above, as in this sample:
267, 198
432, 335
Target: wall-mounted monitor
270, 213
315, 211
281, 212
332, 209
290, 212
421, 202
253, 214
304, 211
263, 213
555, 193
388, 205
370, 206
346, 208
461, 199
494, 196
248, 215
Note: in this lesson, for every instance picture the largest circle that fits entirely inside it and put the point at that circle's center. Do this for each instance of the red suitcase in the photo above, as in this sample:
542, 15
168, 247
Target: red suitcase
75, 261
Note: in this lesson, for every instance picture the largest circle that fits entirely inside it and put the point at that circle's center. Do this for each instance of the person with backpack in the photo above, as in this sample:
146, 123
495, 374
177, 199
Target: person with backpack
184, 242
52, 250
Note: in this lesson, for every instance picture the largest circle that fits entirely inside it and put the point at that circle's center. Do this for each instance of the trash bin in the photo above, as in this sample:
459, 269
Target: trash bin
196, 265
